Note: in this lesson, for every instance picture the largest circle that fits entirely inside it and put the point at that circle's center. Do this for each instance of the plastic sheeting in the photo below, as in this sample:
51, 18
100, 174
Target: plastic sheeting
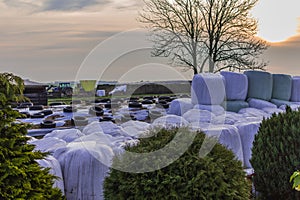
260, 85
208, 89
235, 106
293, 107
199, 126
247, 133
55, 169
229, 118
67, 135
48, 144
272, 110
107, 133
229, 137
94, 127
170, 121
180, 106
282, 87
295, 96
236, 85
253, 112
136, 128
196, 115
260, 104
98, 137
84, 169
107, 128
279, 102
216, 109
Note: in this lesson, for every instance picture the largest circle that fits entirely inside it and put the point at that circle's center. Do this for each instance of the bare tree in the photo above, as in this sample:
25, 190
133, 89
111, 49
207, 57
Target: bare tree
176, 27
194, 32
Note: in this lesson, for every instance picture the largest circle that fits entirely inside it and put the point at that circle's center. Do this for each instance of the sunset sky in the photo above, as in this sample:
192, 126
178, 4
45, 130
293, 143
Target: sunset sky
48, 40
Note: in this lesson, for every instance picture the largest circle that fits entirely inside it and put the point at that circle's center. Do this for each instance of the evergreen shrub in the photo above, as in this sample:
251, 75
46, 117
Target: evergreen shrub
276, 155
219, 175
21, 177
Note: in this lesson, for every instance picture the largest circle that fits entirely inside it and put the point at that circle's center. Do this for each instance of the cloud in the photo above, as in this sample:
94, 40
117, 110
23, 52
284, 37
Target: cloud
125, 4
55, 5
72, 5
24, 4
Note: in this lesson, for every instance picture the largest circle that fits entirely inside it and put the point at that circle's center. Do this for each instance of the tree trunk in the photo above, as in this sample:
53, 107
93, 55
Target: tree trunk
211, 65
195, 63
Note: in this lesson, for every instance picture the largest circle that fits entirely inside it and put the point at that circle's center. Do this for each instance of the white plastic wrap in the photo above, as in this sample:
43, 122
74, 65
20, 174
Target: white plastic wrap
282, 87
84, 169
94, 127
67, 135
236, 85
252, 112
180, 106
293, 107
247, 133
229, 137
196, 115
295, 97
260, 84
48, 144
136, 128
208, 89
216, 109
272, 110
170, 121
229, 118
104, 127
199, 126
260, 104
55, 169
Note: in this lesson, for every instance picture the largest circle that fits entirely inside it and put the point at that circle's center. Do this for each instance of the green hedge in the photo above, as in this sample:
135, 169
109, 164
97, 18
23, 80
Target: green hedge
276, 155
217, 176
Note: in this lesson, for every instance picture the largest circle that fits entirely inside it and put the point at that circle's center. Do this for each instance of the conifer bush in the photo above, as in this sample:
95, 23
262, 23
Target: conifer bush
216, 176
276, 155
20, 175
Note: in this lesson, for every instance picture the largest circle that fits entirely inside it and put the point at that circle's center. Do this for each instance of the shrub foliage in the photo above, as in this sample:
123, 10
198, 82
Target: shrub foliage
276, 155
216, 176
20, 175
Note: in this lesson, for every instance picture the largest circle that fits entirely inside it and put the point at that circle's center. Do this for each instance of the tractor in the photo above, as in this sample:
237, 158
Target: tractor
63, 89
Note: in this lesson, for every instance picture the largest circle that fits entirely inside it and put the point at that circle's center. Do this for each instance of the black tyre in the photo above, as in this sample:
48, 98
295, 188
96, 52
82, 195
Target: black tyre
36, 107
57, 104
147, 102
96, 110
135, 105
48, 124
79, 121
107, 119
47, 112
69, 109
68, 92
37, 116
148, 98
165, 98
102, 100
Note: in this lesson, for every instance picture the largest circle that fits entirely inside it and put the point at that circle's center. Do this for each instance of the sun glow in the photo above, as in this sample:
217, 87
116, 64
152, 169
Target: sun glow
277, 19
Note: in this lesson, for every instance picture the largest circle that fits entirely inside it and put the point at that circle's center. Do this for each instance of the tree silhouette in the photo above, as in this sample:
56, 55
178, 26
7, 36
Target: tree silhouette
196, 32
